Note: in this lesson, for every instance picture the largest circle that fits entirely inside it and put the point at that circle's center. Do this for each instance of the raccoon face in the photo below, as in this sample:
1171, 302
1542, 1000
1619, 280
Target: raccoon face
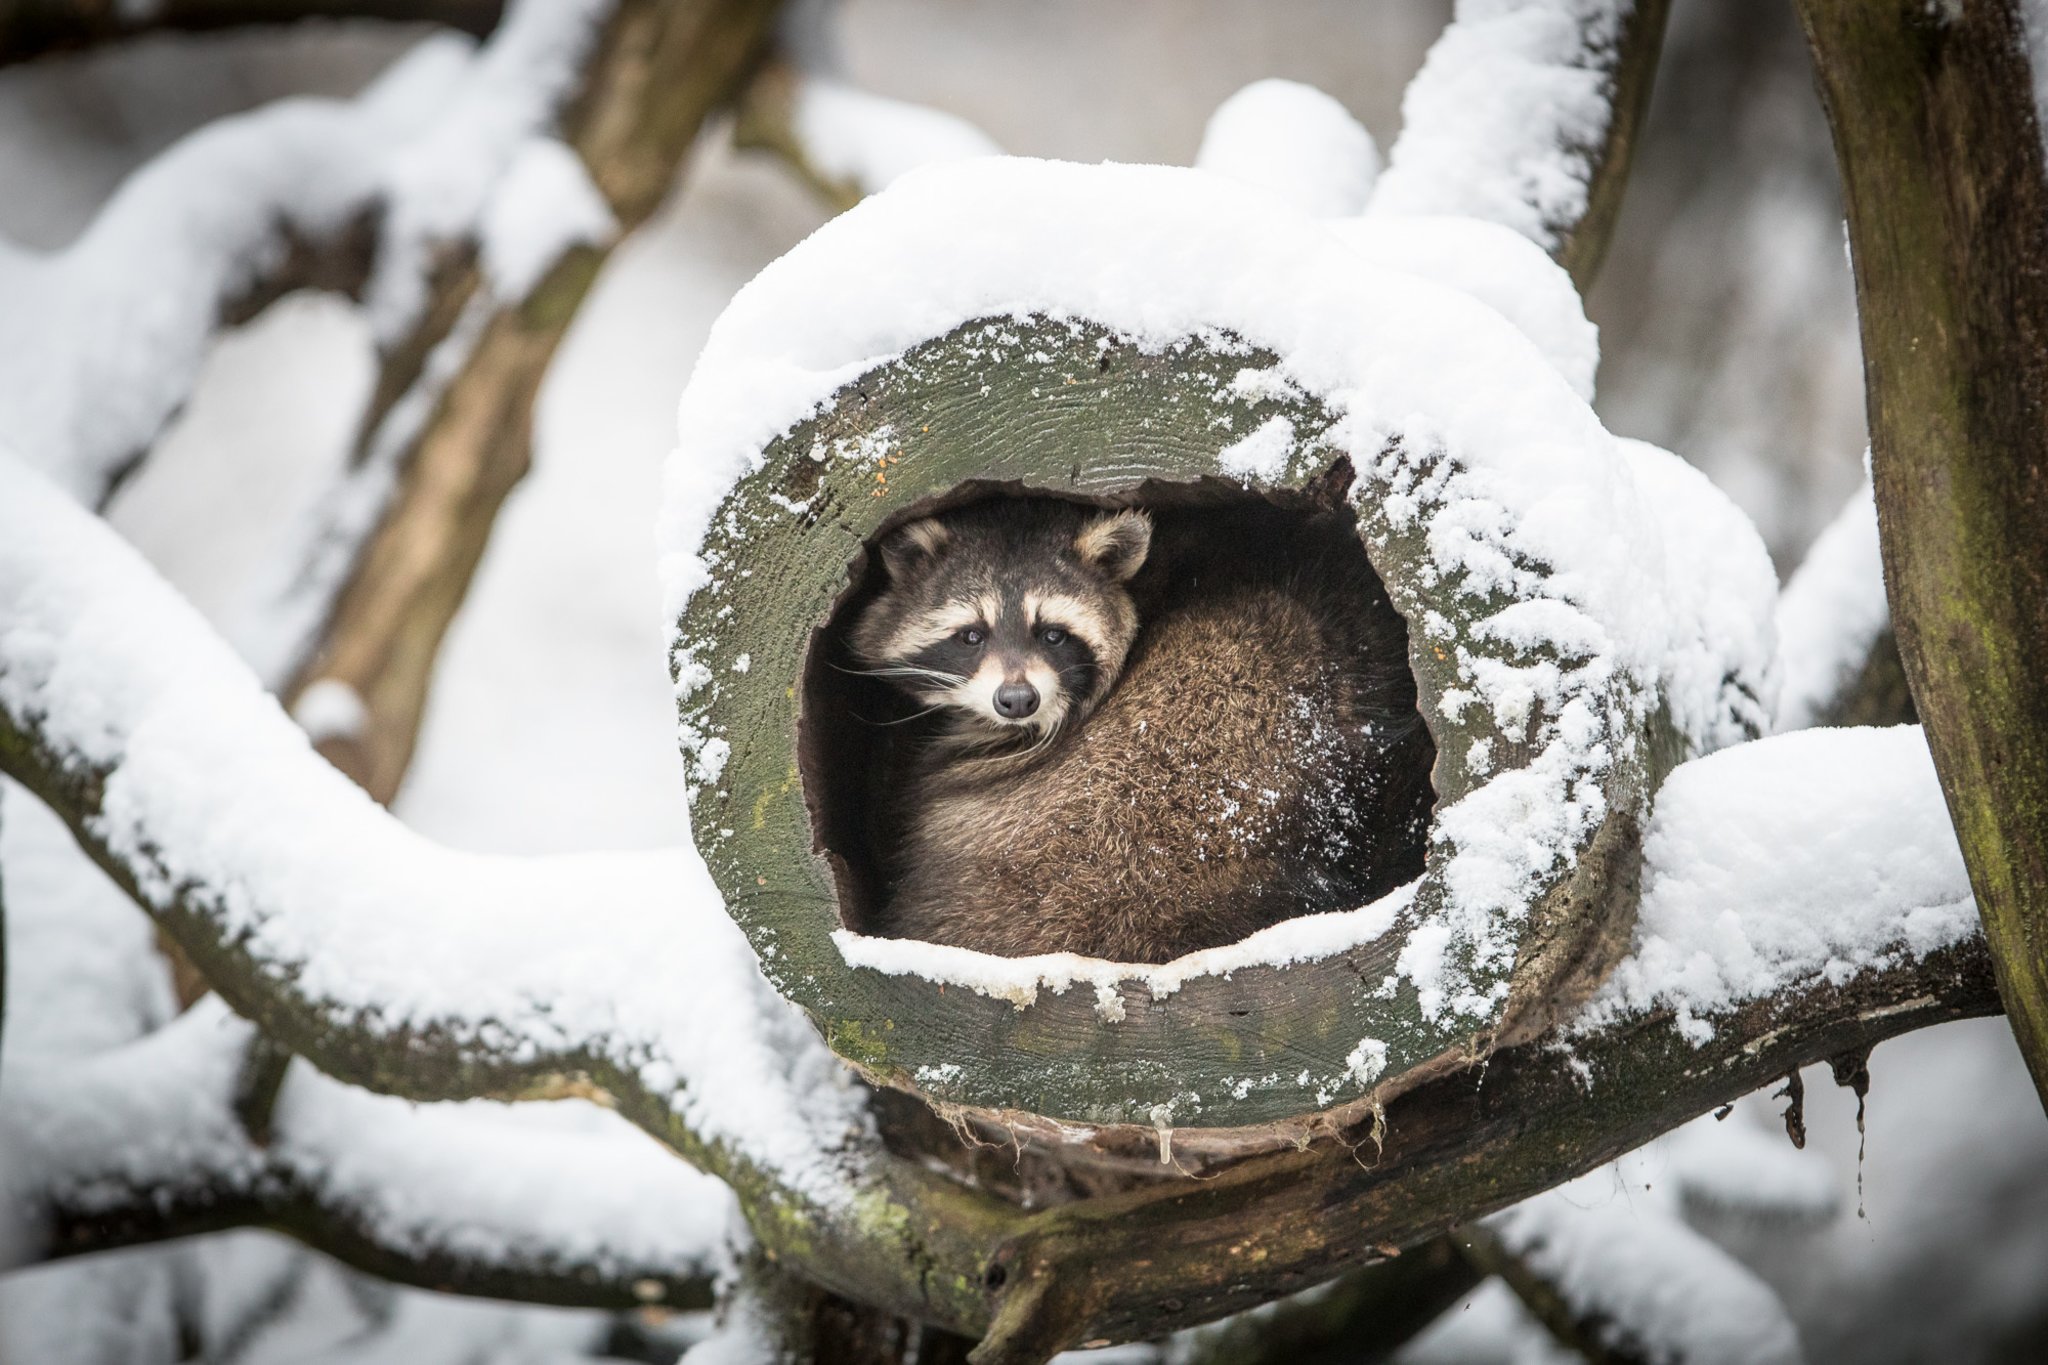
1010, 614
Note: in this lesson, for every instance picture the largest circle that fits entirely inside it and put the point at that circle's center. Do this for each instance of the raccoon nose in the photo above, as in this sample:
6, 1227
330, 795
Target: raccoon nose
1016, 700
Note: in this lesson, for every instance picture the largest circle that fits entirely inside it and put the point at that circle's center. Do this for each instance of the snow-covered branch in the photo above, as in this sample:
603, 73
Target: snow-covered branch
544, 1203
466, 199
1803, 899
845, 142
1618, 1287
104, 337
411, 969
1525, 114
447, 432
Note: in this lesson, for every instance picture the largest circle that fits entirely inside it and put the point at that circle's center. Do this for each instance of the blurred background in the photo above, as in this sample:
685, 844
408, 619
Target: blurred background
1728, 334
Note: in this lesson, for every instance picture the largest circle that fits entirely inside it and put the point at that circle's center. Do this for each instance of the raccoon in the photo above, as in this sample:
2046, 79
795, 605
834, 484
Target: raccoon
1147, 732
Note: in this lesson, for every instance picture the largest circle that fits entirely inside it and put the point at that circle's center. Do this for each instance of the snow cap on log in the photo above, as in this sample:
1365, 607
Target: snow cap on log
1583, 613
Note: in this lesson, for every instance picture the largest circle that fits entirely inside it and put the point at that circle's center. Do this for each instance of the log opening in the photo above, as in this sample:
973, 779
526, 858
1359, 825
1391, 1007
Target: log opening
856, 732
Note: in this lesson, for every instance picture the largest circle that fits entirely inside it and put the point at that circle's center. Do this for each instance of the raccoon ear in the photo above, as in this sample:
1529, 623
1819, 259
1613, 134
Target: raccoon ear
913, 547
1116, 545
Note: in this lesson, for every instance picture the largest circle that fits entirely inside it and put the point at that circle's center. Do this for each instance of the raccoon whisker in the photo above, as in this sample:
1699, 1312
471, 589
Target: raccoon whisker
915, 715
903, 671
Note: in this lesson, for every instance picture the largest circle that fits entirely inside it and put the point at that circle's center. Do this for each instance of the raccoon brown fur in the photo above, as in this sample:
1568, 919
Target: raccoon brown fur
1221, 730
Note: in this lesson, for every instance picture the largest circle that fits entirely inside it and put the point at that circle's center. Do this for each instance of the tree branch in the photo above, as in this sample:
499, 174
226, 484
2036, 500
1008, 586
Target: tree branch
145, 1143
842, 142
1526, 115
413, 970
656, 72
30, 29
1453, 1151
1940, 149
361, 195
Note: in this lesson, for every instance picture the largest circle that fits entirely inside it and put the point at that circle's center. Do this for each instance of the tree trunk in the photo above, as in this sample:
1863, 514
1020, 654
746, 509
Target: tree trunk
1941, 158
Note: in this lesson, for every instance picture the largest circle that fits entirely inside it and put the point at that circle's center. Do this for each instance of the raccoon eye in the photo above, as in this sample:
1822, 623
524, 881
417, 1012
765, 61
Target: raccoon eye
1053, 635
971, 635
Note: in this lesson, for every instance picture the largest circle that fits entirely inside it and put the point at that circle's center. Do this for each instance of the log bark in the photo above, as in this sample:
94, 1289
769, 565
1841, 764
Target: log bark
1940, 149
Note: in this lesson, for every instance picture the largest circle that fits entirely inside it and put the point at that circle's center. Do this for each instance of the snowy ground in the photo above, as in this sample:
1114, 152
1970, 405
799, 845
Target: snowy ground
551, 728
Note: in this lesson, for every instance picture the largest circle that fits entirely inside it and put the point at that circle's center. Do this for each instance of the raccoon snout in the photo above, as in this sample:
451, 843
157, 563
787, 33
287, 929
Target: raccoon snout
1016, 700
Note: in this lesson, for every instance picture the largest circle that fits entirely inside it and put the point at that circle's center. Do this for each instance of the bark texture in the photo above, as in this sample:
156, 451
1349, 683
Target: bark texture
1941, 157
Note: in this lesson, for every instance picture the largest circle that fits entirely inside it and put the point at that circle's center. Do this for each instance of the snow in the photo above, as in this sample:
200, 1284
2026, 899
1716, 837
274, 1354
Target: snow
1804, 857
330, 709
1498, 123
854, 137
1652, 1280
1519, 489
440, 186
1832, 612
1733, 1166
213, 797
103, 338
499, 1183
135, 1105
1296, 142
1616, 1245
1497, 266
1262, 454
544, 204
1019, 980
1953, 1255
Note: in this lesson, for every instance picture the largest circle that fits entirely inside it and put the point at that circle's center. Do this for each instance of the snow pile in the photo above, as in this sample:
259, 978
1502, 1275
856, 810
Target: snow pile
1721, 592
1020, 979
102, 339
1499, 122
544, 205
1806, 857
504, 1183
1468, 438
1295, 141
853, 137
1497, 266
1832, 612
216, 801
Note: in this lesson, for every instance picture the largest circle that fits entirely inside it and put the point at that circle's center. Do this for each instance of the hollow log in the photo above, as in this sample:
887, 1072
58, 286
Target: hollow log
1220, 1054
